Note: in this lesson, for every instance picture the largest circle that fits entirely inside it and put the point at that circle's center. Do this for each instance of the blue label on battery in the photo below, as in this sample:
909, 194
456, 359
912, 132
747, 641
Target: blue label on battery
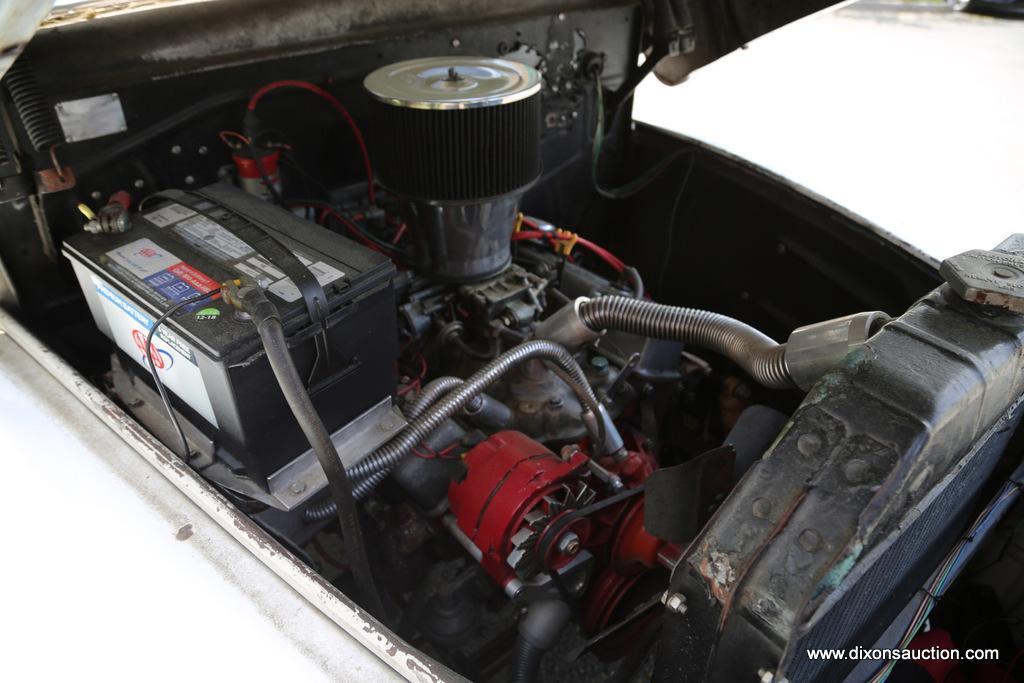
171, 286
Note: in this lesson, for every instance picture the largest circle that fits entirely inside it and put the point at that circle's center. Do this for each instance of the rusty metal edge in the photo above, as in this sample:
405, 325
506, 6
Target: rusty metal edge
378, 639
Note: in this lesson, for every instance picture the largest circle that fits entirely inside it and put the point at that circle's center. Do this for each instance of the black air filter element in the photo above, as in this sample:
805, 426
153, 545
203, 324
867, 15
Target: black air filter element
458, 138
456, 128
457, 154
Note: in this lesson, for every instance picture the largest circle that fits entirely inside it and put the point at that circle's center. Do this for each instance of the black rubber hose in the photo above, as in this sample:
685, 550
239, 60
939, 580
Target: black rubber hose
271, 331
758, 354
525, 662
538, 631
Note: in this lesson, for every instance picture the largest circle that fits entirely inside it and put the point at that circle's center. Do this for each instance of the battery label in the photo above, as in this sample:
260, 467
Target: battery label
251, 272
166, 215
143, 258
173, 358
219, 243
265, 266
162, 271
211, 239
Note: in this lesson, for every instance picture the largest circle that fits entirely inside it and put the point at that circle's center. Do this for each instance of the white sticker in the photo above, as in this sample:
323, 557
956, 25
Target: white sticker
143, 258
91, 117
174, 359
211, 238
248, 270
172, 213
265, 266
285, 289
325, 274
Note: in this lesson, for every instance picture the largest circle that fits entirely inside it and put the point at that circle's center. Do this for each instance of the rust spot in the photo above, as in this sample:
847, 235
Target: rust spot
718, 568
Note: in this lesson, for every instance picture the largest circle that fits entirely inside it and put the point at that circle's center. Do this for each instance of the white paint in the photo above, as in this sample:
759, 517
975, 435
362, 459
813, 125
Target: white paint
331, 603
910, 119
96, 584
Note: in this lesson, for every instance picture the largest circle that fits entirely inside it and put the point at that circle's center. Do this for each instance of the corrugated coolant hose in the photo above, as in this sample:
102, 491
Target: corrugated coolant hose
375, 467
759, 355
538, 631
431, 392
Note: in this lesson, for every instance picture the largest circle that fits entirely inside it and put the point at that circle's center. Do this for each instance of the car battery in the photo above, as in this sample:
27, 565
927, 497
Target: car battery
208, 355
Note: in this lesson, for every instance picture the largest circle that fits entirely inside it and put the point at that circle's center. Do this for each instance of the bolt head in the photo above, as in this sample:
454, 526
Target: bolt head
810, 540
569, 544
761, 507
809, 444
674, 602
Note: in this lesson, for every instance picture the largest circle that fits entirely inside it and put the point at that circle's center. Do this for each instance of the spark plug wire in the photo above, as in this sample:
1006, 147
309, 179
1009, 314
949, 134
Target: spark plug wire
570, 239
336, 104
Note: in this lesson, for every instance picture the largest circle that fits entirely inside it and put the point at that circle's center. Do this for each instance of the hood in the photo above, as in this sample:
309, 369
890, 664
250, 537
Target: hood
153, 38
18, 22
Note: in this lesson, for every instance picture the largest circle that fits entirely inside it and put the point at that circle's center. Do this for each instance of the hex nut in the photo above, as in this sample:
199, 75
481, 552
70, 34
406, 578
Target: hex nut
569, 544
674, 602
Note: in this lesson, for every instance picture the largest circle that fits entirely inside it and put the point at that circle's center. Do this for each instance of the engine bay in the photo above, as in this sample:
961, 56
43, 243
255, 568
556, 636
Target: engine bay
398, 314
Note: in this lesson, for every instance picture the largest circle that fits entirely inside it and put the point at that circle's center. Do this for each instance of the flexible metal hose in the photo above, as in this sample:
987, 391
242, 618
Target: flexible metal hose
375, 467
434, 388
761, 356
431, 392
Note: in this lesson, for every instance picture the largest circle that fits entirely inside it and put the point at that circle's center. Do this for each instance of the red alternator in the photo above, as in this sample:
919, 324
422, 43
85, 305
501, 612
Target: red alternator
513, 490
517, 492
